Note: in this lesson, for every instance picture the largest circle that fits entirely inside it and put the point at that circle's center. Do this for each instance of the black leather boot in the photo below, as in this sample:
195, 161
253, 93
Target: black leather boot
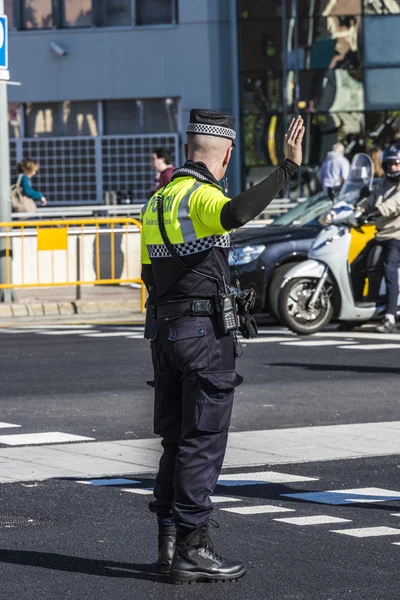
166, 548
196, 560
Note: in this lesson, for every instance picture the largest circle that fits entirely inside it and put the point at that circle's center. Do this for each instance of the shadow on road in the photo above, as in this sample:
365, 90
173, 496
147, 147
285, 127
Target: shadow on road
76, 564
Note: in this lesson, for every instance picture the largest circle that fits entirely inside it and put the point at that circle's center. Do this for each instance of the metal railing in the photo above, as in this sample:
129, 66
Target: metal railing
72, 252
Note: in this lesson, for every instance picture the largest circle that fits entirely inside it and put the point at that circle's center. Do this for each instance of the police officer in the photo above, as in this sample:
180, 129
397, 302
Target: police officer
185, 247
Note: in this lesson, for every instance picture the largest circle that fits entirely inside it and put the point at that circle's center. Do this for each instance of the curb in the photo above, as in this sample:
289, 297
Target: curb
65, 309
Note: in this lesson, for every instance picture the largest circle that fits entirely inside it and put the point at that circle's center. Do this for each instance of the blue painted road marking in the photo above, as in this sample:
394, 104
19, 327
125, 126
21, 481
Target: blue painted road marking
337, 497
109, 481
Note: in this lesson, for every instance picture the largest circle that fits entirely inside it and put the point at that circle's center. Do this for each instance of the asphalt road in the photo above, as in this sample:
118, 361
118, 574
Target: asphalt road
62, 538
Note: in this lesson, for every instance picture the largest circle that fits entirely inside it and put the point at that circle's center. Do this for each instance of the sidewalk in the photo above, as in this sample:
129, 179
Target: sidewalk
85, 457
51, 304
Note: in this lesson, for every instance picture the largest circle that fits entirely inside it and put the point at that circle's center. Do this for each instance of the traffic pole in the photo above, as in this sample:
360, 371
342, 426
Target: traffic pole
5, 202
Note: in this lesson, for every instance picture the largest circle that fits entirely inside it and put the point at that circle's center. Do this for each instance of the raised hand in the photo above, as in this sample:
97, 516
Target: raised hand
293, 140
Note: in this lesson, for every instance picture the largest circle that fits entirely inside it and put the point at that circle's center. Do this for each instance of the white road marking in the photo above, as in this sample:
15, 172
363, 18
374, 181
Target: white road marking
386, 494
49, 437
265, 477
257, 510
64, 332
107, 334
264, 340
316, 520
371, 347
317, 343
220, 499
395, 514
362, 532
8, 425
140, 491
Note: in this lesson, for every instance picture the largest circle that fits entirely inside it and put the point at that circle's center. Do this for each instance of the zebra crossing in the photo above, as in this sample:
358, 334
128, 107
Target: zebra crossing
279, 512
364, 341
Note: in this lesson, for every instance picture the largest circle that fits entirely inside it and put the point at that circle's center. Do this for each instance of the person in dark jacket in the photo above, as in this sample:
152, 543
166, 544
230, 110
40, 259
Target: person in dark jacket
28, 169
163, 166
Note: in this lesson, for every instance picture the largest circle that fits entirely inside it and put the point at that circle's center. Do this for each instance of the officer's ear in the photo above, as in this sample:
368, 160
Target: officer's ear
186, 150
227, 157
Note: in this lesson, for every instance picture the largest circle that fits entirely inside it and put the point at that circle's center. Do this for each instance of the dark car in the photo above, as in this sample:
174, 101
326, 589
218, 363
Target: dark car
263, 255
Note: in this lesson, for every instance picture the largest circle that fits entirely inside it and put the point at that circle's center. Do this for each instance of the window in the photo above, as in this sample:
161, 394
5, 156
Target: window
113, 13
382, 89
160, 115
43, 120
14, 121
155, 12
256, 9
77, 13
381, 7
382, 47
38, 14
80, 119
122, 117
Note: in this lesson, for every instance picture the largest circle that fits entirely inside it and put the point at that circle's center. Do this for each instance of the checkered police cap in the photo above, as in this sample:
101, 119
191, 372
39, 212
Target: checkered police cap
209, 122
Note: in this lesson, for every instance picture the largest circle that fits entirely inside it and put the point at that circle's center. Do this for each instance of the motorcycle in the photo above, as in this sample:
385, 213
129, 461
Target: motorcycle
343, 276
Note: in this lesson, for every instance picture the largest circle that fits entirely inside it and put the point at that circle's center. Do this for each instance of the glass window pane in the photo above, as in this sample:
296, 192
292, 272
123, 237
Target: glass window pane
382, 34
122, 117
113, 13
43, 120
38, 14
261, 9
161, 115
77, 13
262, 92
329, 91
80, 118
154, 12
14, 121
324, 130
382, 89
381, 7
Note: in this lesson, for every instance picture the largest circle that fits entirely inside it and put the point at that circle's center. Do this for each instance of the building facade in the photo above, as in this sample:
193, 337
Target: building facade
104, 82
337, 62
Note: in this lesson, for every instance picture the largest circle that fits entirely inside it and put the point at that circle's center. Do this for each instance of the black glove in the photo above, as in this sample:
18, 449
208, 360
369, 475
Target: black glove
245, 303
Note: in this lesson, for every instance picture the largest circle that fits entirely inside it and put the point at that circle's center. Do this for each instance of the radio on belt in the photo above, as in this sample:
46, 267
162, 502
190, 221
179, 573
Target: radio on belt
225, 305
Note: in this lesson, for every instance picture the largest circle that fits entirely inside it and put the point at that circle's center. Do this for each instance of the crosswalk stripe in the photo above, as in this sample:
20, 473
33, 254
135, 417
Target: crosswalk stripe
362, 532
317, 343
64, 332
107, 334
139, 491
221, 499
49, 437
264, 340
8, 425
371, 347
261, 477
257, 510
314, 520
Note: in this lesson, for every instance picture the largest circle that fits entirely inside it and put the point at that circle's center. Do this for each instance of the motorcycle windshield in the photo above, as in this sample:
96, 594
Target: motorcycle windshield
361, 174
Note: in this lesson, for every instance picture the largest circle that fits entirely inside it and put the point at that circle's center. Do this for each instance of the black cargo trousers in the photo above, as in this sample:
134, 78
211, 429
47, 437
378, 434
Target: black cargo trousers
194, 369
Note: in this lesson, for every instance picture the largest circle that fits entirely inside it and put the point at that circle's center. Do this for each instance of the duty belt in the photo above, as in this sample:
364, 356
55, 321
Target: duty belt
186, 308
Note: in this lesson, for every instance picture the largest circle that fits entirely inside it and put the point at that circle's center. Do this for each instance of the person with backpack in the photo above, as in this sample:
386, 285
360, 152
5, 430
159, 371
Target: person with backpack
23, 197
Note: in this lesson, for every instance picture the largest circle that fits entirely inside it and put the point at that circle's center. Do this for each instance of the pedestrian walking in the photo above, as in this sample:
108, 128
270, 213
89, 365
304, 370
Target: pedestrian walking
335, 169
185, 248
23, 197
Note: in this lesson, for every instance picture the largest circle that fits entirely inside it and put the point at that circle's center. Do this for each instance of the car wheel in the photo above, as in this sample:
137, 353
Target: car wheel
274, 288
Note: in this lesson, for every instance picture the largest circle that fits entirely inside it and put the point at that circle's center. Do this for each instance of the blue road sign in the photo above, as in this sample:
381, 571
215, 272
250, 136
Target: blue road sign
3, 43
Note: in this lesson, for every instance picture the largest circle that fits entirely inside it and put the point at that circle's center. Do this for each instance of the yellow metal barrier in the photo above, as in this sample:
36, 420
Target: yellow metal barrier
49, 257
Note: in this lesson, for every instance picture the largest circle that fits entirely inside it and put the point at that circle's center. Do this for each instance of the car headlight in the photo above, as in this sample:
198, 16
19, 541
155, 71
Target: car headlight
245, 254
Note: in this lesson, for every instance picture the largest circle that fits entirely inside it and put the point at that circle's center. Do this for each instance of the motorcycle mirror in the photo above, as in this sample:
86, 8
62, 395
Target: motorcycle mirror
365, 192
331, 194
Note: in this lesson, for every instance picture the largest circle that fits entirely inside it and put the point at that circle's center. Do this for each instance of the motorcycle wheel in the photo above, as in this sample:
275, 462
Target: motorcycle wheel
293, 306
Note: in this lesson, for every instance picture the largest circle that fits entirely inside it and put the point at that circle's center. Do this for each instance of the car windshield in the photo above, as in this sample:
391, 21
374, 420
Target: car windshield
308, 212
